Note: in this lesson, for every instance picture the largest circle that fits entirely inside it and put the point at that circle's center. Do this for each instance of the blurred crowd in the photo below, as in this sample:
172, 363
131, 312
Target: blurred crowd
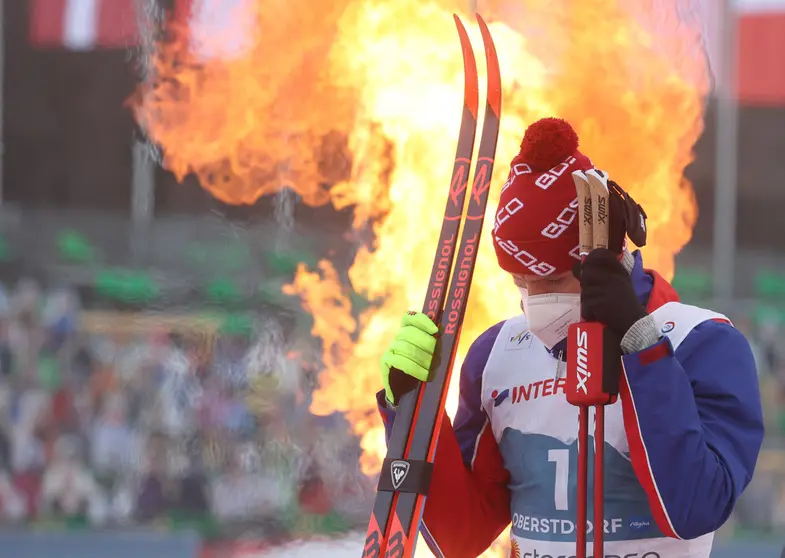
765, 335
761, 509
127, 426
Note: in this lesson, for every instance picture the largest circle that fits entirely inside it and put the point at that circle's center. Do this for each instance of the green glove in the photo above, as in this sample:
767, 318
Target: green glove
409, 355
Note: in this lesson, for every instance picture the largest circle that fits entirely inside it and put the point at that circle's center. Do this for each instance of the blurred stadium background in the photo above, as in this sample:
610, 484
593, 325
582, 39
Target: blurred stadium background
125, 298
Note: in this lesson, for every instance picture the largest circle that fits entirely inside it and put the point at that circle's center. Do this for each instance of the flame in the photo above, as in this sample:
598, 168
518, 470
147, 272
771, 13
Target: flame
356, 103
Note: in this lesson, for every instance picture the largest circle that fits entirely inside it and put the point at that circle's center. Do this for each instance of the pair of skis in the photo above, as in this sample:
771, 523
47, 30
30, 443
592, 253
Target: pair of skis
406, 472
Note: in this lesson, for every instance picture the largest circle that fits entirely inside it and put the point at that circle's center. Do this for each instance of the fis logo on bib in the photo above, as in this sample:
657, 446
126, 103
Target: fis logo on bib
517, 341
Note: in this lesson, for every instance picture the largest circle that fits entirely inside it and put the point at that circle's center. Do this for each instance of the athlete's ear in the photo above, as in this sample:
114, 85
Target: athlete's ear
628, 219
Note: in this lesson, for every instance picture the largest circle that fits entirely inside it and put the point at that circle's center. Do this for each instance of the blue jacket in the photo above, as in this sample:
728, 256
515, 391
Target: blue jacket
694, 434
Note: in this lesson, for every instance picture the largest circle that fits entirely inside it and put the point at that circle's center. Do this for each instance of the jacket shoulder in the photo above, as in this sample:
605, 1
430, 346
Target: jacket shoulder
676, 320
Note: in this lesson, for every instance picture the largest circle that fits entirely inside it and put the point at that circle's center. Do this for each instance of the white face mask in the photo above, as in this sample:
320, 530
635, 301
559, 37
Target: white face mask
551, 315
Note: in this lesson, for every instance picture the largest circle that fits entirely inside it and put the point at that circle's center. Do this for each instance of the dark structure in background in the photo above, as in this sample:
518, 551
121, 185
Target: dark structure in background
68, 146
761, 179
68, 134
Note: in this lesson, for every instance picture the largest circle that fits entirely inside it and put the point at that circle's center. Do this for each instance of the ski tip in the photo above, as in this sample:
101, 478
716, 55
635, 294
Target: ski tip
494, 72
471, 98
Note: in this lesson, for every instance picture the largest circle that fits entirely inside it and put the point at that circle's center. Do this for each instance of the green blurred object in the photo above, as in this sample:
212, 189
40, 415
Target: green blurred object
127, 286
201, 523
233, 255
332, 523
74, 246
770, 284
765, 313
77, 522
286, 263
240, 325
49, 373
223, 291
692, 281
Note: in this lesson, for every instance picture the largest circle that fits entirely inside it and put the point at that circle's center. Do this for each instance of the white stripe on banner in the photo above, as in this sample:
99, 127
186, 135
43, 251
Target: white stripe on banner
760, 6
80, 24
222, 28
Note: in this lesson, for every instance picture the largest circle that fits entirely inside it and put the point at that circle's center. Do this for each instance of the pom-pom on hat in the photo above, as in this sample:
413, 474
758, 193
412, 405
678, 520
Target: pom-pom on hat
536, 227
547, 143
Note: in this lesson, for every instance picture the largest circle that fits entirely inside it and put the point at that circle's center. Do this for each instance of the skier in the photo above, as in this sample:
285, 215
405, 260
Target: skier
681, 442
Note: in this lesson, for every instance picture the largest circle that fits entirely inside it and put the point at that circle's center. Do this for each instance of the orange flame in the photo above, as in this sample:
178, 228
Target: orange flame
365, 95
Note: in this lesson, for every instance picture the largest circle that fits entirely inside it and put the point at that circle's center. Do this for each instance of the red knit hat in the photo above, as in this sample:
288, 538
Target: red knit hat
536, 226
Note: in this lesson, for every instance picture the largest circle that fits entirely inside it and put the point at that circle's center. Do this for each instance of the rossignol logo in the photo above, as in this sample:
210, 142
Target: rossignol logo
445, 252
667, 327
462, 277
459, 182
395, 546
482, 179
372, 547
398, 472
582, 362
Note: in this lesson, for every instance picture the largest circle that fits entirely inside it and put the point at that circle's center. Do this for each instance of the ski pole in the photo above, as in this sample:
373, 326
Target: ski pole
592, 355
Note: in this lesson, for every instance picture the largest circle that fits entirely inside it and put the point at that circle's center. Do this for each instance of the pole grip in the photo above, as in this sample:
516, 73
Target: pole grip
593, 365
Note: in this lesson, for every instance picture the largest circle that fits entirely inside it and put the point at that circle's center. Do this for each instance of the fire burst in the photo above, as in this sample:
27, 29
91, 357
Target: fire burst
379, 83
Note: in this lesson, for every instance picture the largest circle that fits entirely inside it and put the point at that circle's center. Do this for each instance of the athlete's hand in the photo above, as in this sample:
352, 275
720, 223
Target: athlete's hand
607, 294
409, 355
